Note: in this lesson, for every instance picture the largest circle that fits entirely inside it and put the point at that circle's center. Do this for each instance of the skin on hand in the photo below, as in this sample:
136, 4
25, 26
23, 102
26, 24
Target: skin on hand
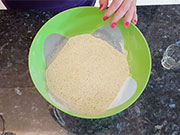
120, 9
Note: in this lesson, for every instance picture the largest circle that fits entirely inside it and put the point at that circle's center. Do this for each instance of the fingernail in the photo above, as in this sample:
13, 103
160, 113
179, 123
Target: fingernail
126, 24
101, 6
113, 25
105, 18
135, 21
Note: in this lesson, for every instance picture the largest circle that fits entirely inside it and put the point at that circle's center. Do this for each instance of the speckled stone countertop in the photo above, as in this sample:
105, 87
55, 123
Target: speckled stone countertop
156, 112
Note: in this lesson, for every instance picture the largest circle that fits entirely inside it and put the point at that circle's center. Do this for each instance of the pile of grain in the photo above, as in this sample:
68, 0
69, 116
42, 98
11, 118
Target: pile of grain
87, 75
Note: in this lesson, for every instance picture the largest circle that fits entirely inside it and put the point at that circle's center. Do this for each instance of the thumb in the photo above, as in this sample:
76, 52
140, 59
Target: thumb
103, 4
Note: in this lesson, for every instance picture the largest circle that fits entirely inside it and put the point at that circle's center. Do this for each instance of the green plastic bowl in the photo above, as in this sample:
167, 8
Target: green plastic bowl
83, 20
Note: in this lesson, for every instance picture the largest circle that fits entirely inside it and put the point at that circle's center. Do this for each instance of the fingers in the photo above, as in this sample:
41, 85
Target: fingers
113, 7
135, 18
121, 8
129, 15
103, 4
121, 12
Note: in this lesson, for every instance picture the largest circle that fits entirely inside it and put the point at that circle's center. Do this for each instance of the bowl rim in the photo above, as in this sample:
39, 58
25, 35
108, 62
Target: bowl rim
80, 116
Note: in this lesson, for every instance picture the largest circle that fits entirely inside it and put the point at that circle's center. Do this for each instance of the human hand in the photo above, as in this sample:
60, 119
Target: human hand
120, 9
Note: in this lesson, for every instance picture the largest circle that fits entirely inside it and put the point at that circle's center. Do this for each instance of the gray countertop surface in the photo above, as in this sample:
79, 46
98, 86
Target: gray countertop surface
156, 112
